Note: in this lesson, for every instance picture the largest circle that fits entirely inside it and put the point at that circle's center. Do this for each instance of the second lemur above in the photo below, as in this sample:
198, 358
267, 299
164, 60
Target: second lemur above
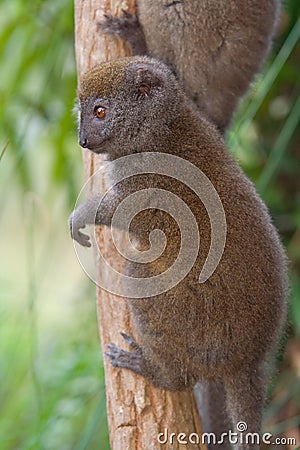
214, 47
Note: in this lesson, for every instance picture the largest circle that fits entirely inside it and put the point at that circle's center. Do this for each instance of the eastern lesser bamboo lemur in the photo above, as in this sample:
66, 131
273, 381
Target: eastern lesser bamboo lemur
220, 332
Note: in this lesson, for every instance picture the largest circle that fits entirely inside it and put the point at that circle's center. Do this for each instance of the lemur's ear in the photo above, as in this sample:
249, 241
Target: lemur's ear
145, 79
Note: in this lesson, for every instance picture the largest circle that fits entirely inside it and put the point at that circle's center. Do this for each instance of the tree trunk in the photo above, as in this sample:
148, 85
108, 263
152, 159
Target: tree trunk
137, 412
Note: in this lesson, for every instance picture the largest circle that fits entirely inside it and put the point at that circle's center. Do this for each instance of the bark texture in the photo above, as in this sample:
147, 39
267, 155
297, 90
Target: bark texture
137, 412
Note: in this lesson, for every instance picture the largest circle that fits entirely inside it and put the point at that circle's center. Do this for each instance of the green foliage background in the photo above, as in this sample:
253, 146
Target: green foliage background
51, 373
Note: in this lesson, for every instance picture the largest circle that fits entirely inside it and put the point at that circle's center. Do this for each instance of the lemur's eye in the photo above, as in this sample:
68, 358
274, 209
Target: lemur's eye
100, 112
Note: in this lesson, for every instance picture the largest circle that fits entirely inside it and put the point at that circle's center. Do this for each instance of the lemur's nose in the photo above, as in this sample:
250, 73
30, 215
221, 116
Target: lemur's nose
83, 142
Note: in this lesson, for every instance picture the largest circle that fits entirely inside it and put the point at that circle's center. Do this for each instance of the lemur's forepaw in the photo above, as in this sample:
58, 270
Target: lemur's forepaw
75, 226
127, 360
82, 239
119, 26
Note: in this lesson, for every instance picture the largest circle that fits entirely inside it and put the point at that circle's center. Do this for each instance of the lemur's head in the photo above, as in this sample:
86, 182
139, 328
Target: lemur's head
127, 104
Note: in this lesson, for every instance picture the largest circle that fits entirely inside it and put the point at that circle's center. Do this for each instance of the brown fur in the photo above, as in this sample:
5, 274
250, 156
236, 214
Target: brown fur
224, 329
215, 47
98, 79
